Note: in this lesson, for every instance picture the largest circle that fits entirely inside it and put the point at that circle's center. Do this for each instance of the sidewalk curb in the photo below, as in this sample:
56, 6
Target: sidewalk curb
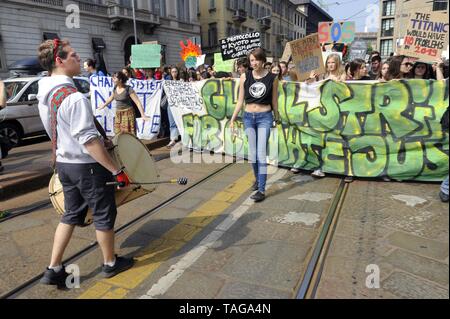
42, 178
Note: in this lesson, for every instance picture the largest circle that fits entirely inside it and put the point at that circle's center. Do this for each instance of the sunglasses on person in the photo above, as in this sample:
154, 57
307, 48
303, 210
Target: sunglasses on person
408, 64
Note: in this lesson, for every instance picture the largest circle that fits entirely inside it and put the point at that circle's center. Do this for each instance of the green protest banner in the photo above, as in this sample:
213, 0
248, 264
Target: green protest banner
224, 66
365, 129
146, 56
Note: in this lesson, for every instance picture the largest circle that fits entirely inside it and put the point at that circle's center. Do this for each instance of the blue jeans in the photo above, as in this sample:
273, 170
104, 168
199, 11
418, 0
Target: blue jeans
444, 186
257, 128
173, 126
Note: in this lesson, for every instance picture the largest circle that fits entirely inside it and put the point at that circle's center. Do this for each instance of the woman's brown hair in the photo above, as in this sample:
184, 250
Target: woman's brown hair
259, 54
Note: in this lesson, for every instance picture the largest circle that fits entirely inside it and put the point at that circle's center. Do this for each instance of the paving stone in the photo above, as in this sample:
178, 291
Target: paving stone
188, 203
19, 224
361, 229
330, 288
420, 266
195, 285
260, 265
214, 259
419, 245
8, 247
411, 287
242, 290
348, 247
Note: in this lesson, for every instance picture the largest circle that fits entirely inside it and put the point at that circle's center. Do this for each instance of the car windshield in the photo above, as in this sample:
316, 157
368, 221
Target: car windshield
12, 88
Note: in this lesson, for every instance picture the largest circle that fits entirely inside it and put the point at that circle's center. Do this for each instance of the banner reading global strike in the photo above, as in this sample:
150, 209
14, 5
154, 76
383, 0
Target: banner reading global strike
365, 129
148, 92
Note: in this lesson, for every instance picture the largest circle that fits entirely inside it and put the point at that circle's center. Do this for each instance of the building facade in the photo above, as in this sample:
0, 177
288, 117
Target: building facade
105, 27
370, 38
394, 20
314, 13
279, 22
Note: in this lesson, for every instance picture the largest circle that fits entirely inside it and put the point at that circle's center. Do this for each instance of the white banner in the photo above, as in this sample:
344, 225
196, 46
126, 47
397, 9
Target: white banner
149, 93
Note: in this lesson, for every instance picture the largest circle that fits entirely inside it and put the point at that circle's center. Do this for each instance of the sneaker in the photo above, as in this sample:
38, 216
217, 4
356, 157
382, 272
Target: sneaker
122, 264
255, 186
348, 179
443, 197
295, 170
52, 277
258, 197
318, 173
171, 144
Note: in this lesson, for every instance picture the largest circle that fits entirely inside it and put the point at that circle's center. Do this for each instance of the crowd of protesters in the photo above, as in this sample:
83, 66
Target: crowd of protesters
394, 68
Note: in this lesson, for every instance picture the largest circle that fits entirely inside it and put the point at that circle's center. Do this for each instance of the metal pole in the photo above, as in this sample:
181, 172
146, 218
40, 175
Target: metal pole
134, 22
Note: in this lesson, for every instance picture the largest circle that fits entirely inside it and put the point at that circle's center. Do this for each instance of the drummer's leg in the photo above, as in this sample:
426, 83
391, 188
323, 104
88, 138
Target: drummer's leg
101, 200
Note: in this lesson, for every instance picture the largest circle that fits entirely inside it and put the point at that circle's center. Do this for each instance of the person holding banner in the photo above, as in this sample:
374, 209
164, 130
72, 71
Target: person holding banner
399, 68
334, 70
124, 95
174, 133
258, 88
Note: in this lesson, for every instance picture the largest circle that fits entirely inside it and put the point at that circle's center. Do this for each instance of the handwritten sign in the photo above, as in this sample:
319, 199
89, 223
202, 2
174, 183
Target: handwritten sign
239, 45
426, 37
336, 32
358, 50
287, 54
221, 65
307, 56
146, 56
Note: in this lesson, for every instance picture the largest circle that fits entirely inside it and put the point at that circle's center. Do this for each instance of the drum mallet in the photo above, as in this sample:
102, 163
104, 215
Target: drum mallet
180, 181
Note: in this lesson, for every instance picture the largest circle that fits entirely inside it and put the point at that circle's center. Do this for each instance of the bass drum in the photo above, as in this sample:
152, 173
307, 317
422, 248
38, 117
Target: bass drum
128, 152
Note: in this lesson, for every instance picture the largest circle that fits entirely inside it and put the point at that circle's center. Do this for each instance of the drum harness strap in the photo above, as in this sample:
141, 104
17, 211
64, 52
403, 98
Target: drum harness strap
57, 99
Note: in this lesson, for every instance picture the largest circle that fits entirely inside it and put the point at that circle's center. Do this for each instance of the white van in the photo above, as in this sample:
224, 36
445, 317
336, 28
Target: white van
20, 118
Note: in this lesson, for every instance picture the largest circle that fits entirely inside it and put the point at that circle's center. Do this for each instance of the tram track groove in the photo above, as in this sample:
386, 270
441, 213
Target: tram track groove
308, 285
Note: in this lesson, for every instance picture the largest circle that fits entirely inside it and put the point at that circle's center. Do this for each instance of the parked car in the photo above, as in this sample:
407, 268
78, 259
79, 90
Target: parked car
20, 118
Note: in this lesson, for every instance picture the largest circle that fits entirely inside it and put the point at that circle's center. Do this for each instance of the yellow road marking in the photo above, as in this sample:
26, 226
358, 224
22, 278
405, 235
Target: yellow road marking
160, 250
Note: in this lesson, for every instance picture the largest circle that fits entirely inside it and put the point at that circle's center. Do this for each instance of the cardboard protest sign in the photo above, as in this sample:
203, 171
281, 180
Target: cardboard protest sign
287, 53
426, 37
239, 45
221, 65
336, 32
189, 53
145, 56
358, 50
307, 56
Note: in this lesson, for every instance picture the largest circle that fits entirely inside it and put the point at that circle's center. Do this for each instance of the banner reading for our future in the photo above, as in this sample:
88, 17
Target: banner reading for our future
148, 92
365, 129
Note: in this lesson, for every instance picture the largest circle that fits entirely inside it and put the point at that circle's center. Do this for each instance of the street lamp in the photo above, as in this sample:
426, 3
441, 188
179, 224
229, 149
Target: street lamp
134, 22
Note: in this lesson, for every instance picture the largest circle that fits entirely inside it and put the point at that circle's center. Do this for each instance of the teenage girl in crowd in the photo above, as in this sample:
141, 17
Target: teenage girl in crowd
123, 94
259, 89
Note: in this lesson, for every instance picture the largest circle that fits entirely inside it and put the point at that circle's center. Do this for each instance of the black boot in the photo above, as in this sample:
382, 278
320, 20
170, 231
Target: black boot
258, 197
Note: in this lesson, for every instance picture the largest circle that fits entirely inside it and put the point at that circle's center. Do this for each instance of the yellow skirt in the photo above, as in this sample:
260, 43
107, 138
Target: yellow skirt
125, 121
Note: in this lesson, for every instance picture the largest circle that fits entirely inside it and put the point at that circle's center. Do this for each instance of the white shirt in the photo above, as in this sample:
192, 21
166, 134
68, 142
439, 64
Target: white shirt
75, 124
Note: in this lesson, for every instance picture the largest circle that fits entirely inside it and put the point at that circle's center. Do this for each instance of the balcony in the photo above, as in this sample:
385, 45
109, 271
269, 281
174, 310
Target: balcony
117, 14
240, 16
265, 24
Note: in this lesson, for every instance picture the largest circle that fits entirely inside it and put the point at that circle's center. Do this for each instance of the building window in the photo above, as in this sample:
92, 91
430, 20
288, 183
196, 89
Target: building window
387, 27
439, 5
2, 57
389, 8
212, 34
386, 47
248, 8
183, 10
212, 4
